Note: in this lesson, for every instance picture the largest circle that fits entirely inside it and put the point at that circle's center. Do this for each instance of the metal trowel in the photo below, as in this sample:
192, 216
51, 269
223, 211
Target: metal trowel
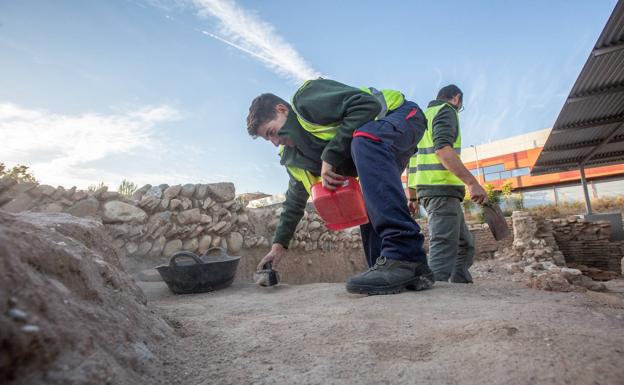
267, 276
495, 219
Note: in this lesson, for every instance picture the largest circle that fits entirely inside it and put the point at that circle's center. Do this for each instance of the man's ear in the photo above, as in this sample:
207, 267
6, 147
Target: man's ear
281, 108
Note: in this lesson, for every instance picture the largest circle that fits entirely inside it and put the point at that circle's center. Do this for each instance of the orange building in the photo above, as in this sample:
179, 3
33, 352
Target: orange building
511, 160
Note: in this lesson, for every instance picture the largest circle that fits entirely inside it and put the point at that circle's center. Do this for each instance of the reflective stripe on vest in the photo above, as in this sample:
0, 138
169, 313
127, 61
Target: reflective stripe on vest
301, 175
390, 100
425, 168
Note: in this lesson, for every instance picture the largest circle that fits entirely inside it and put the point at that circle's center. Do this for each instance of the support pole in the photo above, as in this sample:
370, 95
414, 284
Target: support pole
585, 191
478, 168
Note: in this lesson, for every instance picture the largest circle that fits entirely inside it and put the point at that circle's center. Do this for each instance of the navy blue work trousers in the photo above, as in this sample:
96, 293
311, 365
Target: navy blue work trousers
380, 150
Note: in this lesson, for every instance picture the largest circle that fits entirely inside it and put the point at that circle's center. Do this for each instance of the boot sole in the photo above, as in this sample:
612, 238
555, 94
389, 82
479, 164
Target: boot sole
422, 283
416, 284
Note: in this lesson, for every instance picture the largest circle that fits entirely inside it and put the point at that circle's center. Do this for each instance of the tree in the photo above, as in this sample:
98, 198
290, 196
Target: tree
18, 172
507, 190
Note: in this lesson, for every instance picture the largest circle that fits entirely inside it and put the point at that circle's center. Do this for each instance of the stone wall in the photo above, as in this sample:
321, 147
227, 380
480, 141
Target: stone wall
311, 234
159, 220
152, 224
587, 243
316, 254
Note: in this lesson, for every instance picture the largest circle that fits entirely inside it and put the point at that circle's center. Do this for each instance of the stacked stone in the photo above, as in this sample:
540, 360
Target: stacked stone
312, 234
486, 246
192, 217
574, 228
156, 220
587, 243
533, 240
16, 197
536, 257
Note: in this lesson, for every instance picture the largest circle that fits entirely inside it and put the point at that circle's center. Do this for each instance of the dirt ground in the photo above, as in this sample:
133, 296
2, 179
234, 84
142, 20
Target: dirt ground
491, 332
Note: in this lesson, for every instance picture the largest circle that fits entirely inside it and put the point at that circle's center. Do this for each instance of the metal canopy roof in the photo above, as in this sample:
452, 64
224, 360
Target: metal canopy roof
589, 131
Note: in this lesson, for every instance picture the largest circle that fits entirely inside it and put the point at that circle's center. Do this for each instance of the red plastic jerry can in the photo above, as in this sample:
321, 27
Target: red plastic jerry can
340, 208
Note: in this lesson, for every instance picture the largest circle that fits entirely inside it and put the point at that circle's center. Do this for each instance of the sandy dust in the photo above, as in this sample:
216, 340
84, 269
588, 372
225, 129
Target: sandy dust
491, 332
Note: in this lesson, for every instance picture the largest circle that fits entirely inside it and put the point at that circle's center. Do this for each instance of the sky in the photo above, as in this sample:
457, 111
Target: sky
157, 91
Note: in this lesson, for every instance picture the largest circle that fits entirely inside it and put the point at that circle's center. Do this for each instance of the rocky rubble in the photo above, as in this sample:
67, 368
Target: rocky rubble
535, 258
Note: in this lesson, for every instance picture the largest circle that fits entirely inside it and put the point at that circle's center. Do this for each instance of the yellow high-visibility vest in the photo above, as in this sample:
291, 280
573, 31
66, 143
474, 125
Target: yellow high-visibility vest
425, 168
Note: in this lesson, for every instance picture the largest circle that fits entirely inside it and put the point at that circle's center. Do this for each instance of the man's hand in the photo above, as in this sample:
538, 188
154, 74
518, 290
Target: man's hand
275, 256
330, 179
477, 193
413, 207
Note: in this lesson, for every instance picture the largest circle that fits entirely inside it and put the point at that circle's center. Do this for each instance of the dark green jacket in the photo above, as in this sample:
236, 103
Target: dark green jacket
445, 130
323, 101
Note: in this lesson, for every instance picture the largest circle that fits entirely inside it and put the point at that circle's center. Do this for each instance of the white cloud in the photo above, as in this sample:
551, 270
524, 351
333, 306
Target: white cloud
248, 33
500, 105
59, 147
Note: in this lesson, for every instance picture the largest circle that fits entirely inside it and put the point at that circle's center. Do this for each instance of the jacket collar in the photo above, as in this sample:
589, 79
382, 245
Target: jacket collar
437, 102
291, 126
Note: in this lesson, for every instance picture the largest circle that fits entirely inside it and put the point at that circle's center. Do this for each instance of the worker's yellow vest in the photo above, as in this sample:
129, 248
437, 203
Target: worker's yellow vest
425, 168
390, 100
303, 176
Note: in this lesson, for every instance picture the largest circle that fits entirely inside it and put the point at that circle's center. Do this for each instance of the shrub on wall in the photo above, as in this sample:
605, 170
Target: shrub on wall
127, 188
18, 172
95, 187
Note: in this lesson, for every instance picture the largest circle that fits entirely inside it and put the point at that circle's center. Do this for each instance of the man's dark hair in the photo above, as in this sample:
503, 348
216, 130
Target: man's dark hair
262, 110
448, 92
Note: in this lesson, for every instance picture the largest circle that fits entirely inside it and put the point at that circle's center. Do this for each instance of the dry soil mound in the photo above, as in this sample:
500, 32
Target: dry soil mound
68, 313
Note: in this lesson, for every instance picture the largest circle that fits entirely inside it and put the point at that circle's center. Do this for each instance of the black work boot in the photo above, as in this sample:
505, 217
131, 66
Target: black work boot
390, 276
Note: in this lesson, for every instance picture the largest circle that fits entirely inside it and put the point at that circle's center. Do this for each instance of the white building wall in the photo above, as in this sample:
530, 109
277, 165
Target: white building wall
506, 146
